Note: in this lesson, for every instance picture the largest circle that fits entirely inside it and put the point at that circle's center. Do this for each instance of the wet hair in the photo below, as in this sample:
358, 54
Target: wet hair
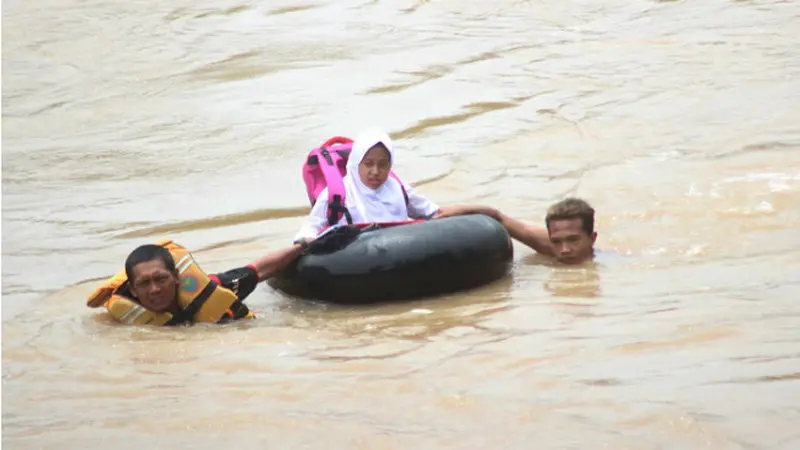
145, 253
569, 209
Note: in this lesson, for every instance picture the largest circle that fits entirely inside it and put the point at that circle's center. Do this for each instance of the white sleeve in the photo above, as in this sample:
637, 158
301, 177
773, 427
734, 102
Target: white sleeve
316, 221
419, 206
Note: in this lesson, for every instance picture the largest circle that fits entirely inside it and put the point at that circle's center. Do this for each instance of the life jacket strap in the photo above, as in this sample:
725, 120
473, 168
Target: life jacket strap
187, 314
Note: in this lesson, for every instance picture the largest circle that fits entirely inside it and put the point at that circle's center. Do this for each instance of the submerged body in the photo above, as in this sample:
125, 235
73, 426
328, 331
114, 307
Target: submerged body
372, 193
568, 237
163, 285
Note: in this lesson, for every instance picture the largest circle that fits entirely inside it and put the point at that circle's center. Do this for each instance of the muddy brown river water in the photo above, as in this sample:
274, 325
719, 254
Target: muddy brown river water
125, 122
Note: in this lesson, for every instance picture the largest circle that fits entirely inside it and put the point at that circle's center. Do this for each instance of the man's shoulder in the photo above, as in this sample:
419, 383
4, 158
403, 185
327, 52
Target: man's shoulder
241, 280
234, 274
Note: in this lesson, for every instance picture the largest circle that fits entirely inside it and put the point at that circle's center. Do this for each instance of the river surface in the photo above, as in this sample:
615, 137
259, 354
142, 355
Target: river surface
127, 122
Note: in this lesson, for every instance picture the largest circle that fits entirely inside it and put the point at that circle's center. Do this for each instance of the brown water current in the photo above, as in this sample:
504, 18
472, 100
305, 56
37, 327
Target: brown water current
127, 122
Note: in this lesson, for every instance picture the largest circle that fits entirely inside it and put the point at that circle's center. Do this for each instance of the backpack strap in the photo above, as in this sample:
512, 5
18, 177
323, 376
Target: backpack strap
328, 163
405, 194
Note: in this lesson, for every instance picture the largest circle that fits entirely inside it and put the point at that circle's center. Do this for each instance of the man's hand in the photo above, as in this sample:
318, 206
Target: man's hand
268, 265
462, 210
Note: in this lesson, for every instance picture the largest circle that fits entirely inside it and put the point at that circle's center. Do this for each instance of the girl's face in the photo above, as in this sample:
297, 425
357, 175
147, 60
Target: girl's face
375, 166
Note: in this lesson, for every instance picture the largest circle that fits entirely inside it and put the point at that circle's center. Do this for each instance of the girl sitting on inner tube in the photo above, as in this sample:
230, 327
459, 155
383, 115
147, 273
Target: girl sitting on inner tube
371, 195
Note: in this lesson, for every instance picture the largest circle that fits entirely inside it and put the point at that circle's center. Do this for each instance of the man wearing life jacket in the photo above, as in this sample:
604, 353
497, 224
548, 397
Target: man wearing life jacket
568, 236
163, 285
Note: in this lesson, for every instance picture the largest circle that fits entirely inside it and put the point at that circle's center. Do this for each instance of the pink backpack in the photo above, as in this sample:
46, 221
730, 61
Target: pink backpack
326, 166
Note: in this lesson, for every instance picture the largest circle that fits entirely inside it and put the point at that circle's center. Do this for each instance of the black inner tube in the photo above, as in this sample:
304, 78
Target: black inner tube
401, 262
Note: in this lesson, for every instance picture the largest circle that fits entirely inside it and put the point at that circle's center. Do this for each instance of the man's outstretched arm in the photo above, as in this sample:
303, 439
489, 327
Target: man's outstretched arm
536, 238
269, 264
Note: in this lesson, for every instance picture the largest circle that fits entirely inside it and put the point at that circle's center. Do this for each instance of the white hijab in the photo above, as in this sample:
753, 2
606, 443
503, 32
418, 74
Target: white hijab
384, 204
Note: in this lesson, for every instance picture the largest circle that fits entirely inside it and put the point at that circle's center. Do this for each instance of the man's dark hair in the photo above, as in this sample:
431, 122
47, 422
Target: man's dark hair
572, 208
145, 253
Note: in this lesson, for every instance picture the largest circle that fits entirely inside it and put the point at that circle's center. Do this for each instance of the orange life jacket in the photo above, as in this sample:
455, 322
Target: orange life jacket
197, 291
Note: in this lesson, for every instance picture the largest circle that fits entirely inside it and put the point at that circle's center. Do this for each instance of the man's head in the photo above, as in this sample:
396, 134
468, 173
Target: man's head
570, 224
152, 277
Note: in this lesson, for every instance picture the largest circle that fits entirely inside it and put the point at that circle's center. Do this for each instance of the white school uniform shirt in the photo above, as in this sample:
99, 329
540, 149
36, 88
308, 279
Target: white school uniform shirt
384, 204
